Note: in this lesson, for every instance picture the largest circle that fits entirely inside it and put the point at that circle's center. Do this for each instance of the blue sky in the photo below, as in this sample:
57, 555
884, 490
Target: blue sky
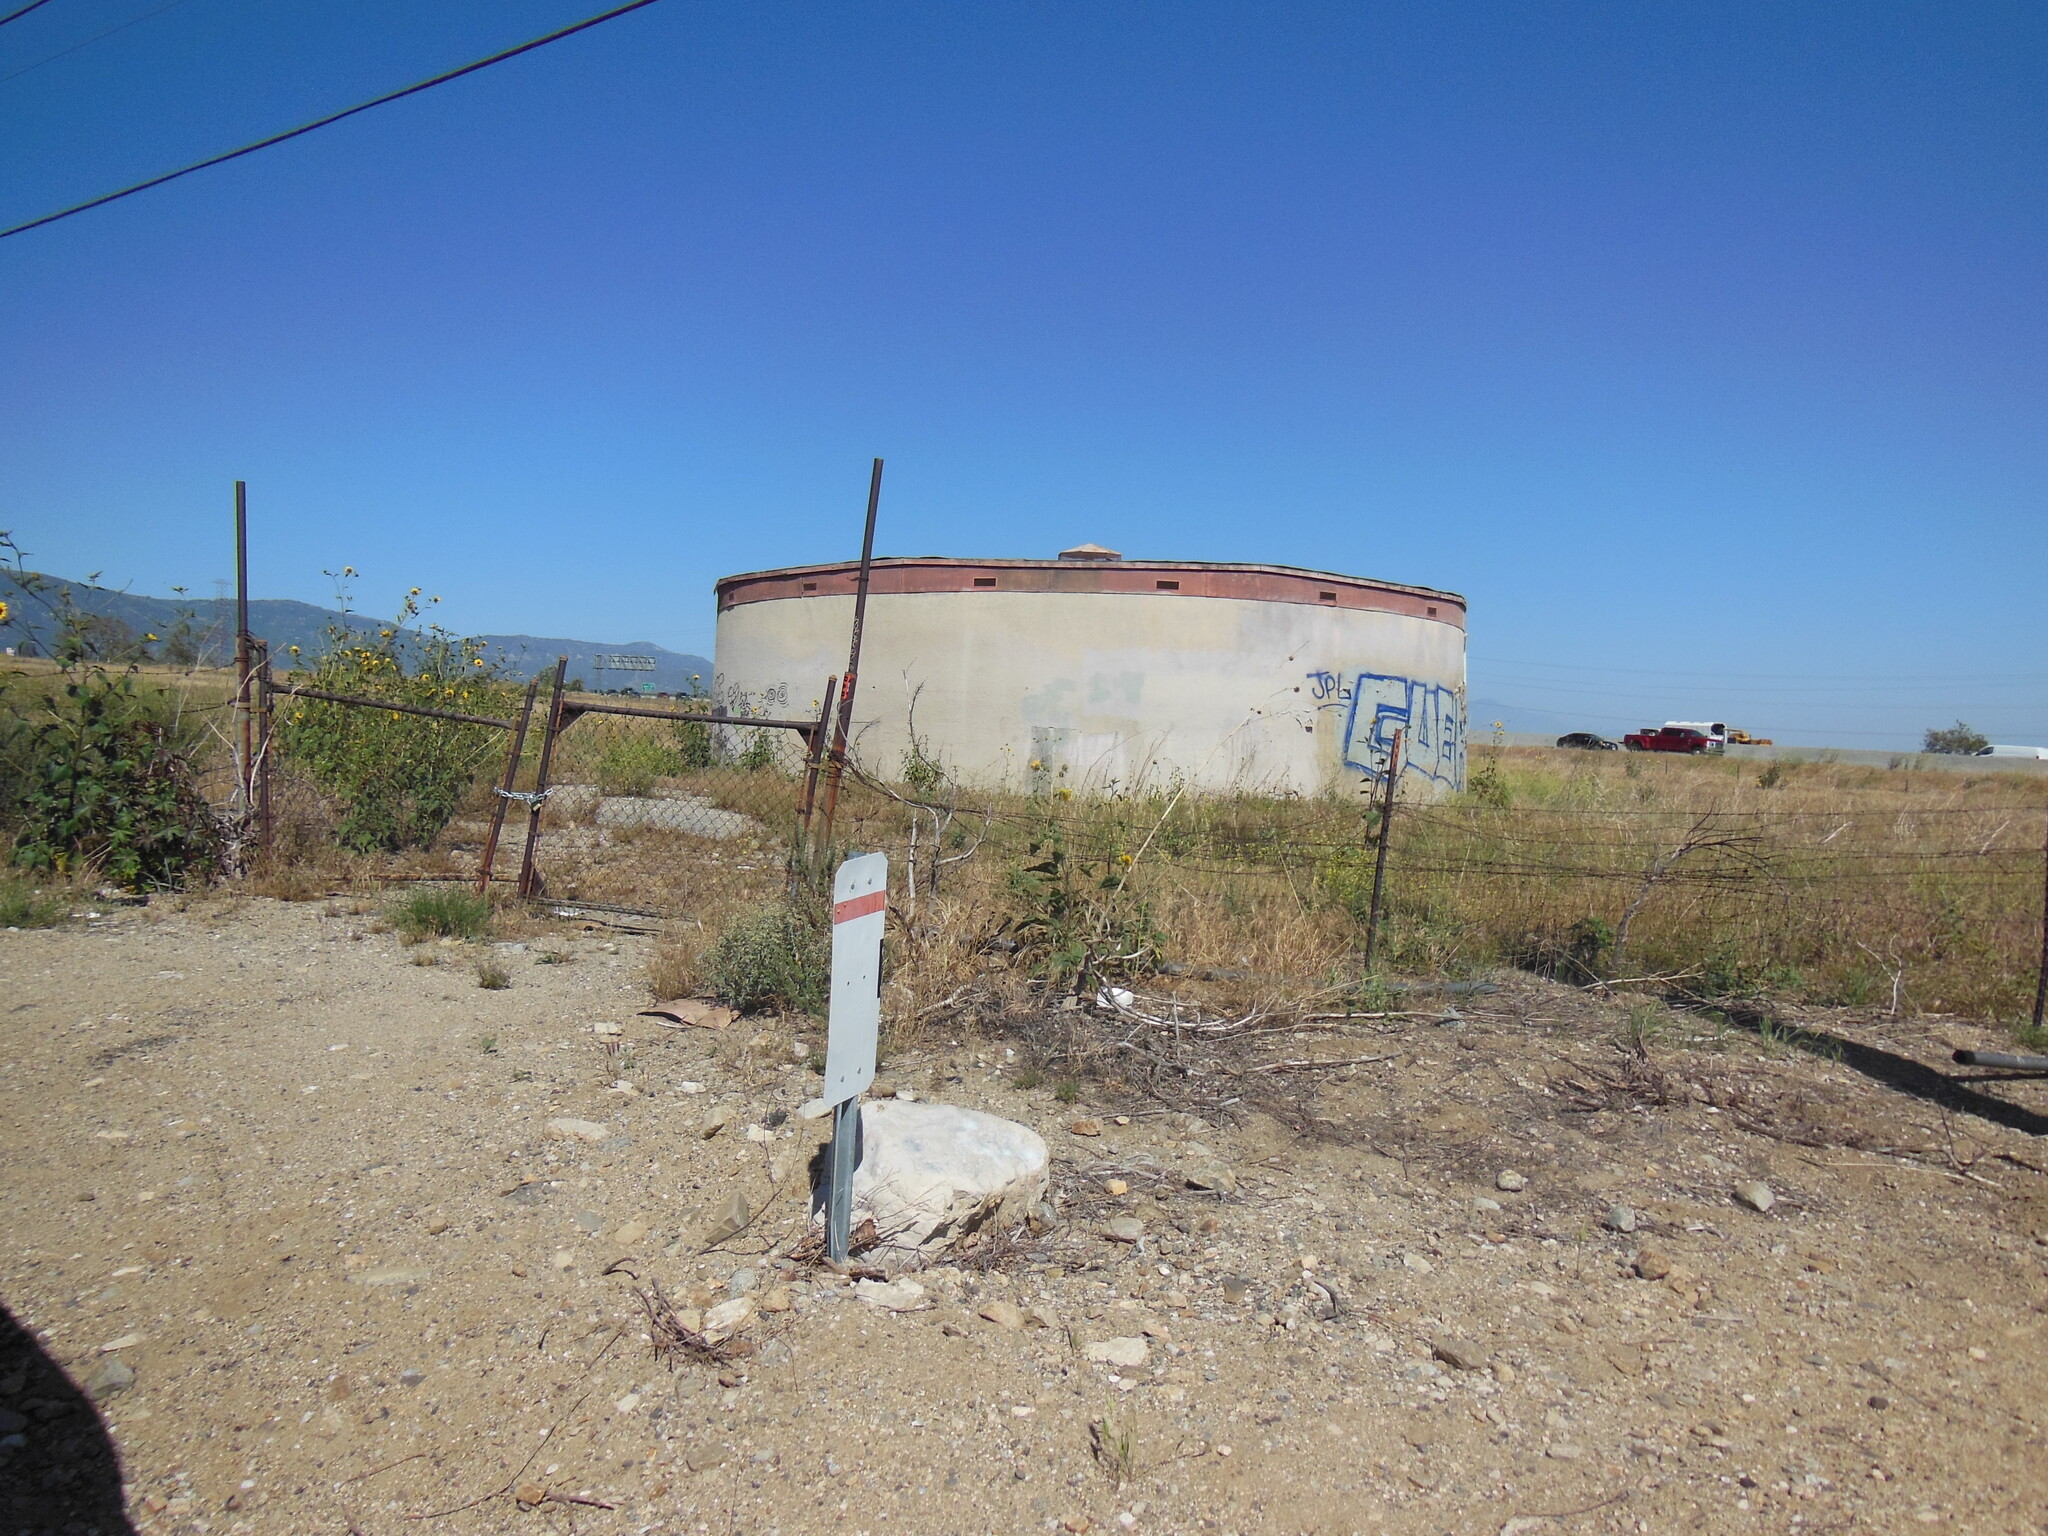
1700, 346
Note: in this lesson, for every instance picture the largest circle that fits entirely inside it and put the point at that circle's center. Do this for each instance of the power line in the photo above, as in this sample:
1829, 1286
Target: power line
333, 117
95, 38
17, 15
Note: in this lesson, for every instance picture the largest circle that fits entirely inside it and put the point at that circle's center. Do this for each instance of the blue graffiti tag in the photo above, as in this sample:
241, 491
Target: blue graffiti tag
1431, 716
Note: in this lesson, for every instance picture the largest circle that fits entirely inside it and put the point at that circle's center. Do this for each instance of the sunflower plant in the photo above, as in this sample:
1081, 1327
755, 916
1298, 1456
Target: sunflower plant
399, 777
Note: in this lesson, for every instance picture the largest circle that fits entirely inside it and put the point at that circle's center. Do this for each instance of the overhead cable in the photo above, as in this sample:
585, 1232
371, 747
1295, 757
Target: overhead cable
333, 117
17, 15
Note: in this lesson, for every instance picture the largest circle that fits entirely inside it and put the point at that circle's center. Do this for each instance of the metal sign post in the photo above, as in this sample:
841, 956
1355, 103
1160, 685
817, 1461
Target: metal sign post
860, 901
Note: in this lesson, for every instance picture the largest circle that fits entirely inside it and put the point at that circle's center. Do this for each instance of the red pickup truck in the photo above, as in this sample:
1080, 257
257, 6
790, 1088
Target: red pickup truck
1670, 738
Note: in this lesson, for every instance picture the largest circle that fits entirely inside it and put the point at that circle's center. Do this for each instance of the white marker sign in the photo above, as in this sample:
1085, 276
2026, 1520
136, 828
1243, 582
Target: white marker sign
860, 900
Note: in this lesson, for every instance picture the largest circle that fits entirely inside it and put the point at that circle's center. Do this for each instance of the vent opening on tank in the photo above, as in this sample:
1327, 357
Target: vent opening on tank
1328, 597
1432, 613
1167, 586
984, 581
810, 586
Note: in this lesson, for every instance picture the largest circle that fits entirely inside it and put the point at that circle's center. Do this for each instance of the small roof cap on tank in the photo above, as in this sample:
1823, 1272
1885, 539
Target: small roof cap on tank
1090, 552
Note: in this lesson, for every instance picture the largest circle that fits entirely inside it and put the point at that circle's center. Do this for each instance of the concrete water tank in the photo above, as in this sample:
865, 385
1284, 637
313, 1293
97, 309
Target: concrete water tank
1102, 674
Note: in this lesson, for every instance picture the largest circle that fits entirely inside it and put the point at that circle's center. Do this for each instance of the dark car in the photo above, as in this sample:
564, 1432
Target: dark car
1586, 741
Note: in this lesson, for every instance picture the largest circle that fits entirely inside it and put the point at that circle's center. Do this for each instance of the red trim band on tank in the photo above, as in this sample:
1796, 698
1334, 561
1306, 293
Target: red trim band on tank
1176, 578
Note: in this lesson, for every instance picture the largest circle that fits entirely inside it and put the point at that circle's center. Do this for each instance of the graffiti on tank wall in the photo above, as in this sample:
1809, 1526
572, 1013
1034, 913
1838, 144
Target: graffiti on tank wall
1376, 704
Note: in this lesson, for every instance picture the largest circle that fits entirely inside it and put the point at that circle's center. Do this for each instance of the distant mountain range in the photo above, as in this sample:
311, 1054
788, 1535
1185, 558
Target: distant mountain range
202, 629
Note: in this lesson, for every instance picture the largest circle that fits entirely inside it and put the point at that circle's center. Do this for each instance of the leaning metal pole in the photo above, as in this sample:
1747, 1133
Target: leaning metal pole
837, 765
1379, 863
503, 797
550, 730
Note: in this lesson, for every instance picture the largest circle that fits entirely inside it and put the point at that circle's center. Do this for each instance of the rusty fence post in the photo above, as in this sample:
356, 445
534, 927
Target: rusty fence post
552, 728
503, 797
2041, 979
836, 766
264, 737
1379, 863
814, 757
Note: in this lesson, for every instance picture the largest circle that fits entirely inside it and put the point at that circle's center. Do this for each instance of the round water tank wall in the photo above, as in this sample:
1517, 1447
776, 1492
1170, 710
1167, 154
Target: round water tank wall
1111, 675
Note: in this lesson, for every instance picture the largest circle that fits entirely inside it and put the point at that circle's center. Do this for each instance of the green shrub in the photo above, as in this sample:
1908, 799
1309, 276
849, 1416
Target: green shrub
693, 745
100, 783
23, 906
400, 777
775, 954
439, 912
631, 764
492, 977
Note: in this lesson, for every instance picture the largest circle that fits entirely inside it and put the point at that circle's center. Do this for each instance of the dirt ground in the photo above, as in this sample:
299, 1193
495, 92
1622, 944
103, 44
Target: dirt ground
305, 1191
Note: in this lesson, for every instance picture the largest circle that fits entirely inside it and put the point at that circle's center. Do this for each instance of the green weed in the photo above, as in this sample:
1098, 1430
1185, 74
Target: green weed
439, 912
24, 906
775, 954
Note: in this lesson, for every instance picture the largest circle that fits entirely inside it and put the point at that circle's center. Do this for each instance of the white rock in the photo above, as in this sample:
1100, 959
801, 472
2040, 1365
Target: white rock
813, 1109
931, 1172
579, 1130
1511, 1181
1123, 1352
728, 1318
891, 1295
1755, 1194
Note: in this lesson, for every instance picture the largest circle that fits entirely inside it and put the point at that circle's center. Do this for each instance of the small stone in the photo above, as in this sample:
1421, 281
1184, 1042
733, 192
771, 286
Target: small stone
1004, 1314
1123, 1229
904, 1295
579, 1130
881, 1090
531, 1492
564, 1258
396, 1274
1511, 1181
1115, 1187
1459, 1354
606, 1028
1880, 1402
778, 1298
1086, 1127
1755, 1194
631, 1233
907, 1095
1211, 1176
1653, 1264
1621, 1218
702, 1458
1418, 1263
1236, 1288
126, 1341
110, 1377
411, 1378
1485, 1206
728, 1221
741, 1281
1078, 1525
438, 1225
1124, 1352
759, 1133
813, 1109
627, 1403
715, 1122
727, 1318
1563, 1451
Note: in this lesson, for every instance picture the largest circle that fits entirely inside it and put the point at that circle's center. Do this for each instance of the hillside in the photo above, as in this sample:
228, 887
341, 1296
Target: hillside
202, 629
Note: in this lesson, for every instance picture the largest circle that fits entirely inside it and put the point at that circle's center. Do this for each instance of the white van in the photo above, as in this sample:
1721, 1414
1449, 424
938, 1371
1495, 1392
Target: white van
2033, 752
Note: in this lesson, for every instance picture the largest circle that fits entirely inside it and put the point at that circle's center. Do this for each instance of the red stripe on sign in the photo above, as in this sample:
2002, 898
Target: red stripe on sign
859, 906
